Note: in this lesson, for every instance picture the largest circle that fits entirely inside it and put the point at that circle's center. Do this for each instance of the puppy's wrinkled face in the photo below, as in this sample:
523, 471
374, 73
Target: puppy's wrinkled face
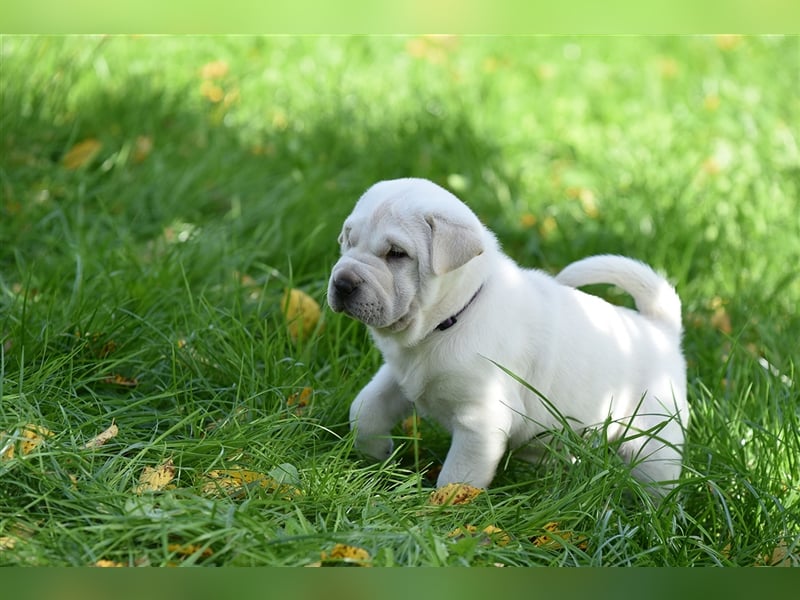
385, 253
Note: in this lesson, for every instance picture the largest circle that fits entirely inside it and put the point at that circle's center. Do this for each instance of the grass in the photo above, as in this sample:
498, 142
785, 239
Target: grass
221, 171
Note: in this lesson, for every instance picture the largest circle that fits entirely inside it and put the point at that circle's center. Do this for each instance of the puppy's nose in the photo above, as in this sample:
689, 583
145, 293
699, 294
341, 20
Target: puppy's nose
346, 283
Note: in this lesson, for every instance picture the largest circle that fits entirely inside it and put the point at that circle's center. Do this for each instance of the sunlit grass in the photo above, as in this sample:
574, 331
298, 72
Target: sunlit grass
141, 278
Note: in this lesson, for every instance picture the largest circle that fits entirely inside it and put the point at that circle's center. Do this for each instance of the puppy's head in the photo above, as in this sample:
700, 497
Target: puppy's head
404, 238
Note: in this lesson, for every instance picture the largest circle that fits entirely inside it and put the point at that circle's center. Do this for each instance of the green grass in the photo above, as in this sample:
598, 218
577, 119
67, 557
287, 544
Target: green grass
682, 152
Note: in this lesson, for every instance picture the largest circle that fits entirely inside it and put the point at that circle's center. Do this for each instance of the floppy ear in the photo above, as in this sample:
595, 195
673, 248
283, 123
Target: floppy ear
452, 244
344, 235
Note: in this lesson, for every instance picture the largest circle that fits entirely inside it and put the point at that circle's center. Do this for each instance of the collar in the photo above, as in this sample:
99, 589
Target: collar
452, 320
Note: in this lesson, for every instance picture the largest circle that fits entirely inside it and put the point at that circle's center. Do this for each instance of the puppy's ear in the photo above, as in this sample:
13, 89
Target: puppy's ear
453, 244
344, 236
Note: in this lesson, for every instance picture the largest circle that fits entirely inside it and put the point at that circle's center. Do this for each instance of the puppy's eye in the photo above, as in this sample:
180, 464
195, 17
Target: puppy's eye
396, 253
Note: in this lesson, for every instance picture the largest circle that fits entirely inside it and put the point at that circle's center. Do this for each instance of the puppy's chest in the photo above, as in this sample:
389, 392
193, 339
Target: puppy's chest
436, 392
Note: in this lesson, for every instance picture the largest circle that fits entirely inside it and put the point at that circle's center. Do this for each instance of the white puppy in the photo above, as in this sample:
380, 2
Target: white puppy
445, 307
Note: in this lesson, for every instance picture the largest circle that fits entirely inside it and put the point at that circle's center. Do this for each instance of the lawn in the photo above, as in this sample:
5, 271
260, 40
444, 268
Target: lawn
158, 195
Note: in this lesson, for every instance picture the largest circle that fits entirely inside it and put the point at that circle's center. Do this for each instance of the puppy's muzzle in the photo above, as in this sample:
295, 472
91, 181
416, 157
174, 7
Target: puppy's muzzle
346, 284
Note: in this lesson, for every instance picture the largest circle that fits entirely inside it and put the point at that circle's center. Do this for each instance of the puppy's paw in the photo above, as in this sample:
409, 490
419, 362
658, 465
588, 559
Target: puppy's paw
379, 448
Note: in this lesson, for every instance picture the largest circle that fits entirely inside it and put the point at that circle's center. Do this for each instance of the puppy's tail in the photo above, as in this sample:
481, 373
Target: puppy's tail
654, 296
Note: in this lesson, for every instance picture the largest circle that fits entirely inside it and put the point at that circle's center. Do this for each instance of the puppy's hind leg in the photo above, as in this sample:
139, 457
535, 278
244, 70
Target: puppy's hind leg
378, 407
655, 457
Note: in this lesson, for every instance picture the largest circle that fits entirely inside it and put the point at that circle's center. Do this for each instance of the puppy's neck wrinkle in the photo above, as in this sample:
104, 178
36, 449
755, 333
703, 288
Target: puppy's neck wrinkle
453, 319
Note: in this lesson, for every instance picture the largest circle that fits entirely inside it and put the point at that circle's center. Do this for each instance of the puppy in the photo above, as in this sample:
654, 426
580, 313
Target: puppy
448, 309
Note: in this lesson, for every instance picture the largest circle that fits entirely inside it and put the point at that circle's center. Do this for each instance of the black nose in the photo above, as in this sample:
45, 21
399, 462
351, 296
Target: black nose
346, 283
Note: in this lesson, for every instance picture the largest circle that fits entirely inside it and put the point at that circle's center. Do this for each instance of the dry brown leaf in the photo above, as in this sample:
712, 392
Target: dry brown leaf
155, 479
102, 438
81, 154
302, 313
25, 439
454, 493
347, 556
780, 557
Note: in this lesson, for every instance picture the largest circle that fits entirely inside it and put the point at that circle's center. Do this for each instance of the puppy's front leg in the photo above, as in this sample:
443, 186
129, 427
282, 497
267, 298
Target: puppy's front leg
473, 456
377, 408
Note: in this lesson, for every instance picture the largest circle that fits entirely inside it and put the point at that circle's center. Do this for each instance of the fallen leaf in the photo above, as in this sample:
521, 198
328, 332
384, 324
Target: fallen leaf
719, 317
190, 549
489, 534
120, 380
26, 439
155, 479
587, 199
102, 438
410, 426
214, 70
727, 41
142, 147
454, 493
527, 220
548, 226
780, 557
7, 542
555, 538
302, 313
346, 556
212, 91
108, 563
233, 482
668, 67
81, 154
299, 401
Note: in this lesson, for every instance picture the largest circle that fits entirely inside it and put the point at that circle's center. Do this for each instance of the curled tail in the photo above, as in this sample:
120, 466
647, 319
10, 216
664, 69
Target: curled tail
654, 296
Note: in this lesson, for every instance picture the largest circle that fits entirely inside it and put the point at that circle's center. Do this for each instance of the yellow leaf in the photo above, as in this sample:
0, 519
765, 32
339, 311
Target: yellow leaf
117, 379
232, 482
527, 220
212, 91
719, 317
727, 41
142, 148
26, 439
302, 313
7, 542
214, 69
299, 401
102, 438
81, 154
454, 493
108, 563
489, 534
189, 549
411, 426
347, 556
558, 538
155, 479
548, 226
